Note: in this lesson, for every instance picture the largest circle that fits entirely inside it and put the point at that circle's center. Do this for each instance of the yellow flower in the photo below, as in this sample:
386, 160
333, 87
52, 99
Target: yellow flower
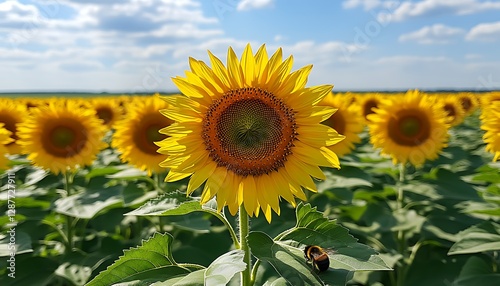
250, 131
368, 102
453, 108
4, 140
490, 122
345, 121
135, 135
11, 115
468, 101
107, 109
409, 128
61, 136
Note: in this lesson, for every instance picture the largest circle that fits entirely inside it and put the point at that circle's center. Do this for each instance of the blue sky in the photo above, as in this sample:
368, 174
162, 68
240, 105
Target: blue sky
356, 45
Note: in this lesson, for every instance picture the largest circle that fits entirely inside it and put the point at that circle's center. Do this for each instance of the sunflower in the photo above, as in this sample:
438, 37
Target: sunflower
250, 131
368, 102
11, 115
135, 135
345, 121
107, 109
61, 137
453, 108
468, 102
490, 122
4, 140
409, 129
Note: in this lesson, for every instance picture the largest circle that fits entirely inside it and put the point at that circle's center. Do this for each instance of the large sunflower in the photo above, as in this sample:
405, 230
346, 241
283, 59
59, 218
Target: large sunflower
490, 122
250, 131
409, 129
346, 121
4, 140
62, 136
135, 135
11, 115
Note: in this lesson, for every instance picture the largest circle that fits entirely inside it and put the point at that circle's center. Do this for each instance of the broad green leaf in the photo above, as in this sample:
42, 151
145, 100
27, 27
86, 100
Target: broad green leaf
153, 259
479, 238
87, 204
103, 171
172, 204
31, 271
128, 174
314, 229
135, 195
22, 243
224, 268
195, 278
289, 264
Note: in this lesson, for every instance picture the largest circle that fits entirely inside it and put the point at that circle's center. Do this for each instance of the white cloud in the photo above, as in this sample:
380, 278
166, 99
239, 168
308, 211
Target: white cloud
253, 4
366, 4
422, 8
484, 32
435, 34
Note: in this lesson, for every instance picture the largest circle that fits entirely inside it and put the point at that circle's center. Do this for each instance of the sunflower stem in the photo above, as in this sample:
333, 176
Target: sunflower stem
68, 180
401, 238
244, 229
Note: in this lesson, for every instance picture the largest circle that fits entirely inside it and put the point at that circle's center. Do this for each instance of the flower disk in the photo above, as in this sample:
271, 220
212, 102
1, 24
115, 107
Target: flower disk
249, 133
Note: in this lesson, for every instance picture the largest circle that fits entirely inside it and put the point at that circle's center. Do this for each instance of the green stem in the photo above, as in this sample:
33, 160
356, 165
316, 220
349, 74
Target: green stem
230, 228
401, 238
255, 268
68, 180
244, 228
190, 265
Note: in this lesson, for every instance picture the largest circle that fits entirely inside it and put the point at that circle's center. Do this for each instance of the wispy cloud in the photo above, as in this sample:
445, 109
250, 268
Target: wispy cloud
484, 32
253, 4
435, 34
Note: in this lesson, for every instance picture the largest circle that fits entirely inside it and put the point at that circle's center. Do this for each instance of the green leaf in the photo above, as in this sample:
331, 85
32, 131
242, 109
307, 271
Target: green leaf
195, 278
314, 229
290, 264
103, 171
174, 203
479, 238
224, 268
87, 204
22, 243
128, 174
152, 260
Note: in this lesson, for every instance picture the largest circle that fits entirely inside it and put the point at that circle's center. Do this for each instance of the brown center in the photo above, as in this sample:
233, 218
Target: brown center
64, 138
368, 107
105, 114
146, 132
409, 128
249, 131
337, 122
450, 109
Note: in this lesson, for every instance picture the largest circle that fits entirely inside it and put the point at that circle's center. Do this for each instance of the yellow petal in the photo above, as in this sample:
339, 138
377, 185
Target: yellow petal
200, 176
248, 65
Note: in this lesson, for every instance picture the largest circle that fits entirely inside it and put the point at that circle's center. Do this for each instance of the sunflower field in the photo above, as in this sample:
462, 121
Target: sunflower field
248, 177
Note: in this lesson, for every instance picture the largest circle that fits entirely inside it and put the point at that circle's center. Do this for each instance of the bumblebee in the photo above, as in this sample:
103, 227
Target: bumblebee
318, 257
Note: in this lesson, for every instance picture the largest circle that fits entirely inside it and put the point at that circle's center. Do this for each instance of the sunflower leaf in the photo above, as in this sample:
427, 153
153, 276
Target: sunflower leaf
478, 238
313, 228
152, 261
287, 261
174, 203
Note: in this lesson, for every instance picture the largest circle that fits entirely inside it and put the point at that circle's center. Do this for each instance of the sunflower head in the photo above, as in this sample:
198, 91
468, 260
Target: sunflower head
11, 115
468, 102
490, 123
107, 109
249, 132
346, 121
452, 107
368, 103
136, 134
4, 140
62, 136
409, 129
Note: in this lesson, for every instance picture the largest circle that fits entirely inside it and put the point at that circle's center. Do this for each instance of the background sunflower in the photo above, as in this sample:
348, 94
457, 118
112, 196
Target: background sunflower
136, 134
346, 121
409, 129
11, 115
4, 140
490, 122
62, 136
